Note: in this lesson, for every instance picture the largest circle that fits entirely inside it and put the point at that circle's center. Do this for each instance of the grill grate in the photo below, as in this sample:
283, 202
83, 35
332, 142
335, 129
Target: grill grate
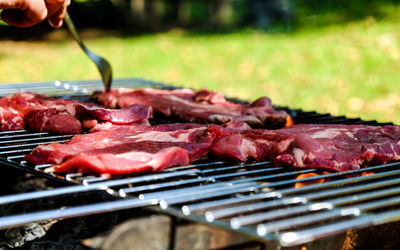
255, 199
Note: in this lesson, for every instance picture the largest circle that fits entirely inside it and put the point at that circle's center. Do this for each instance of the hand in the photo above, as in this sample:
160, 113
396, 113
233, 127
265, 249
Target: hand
26, 13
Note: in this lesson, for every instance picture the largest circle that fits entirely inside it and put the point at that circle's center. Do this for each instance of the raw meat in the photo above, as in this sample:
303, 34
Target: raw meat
202, 106
10, 120
330, 147
42, 113
127, 149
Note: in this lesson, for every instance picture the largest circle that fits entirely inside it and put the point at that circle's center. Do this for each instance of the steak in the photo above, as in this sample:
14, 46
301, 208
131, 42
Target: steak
330, 147
127, 149
194, 106
42, 113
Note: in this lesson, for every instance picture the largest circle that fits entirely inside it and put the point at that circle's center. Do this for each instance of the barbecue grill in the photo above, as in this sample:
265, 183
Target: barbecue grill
254, 199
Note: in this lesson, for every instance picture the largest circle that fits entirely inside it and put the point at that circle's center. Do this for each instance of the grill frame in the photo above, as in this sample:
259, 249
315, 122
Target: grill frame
209, 187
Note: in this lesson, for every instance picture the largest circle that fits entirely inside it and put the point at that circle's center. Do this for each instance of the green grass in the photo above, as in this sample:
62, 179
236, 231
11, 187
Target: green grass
351, 69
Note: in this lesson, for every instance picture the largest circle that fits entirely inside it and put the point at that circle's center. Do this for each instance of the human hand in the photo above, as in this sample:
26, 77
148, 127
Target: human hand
26, 13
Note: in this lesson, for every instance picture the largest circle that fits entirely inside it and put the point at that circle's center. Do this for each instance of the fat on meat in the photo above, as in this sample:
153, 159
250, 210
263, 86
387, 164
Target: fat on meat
26, 110
127, 149
323, 146
202, 106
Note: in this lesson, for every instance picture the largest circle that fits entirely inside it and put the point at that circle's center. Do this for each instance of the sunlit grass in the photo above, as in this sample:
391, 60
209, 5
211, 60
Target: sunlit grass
351, 69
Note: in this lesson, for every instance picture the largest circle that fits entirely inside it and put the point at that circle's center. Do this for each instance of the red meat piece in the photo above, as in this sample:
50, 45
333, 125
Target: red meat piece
329, 146
127, 149
202, 106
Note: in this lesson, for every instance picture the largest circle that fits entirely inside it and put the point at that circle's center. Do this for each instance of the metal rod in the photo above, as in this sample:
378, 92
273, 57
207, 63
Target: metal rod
265, 228
219, 192
13, 131
12, 158
308, 206
277, 176
189, 191
47, 138
284, 191
170, 184
201, 165
221, 213
365, 196
289, 239
335, 182
20, 133
351, 189
274, 214
48, 193
188, 209
30, 145
212, 178
70, 212
82, 188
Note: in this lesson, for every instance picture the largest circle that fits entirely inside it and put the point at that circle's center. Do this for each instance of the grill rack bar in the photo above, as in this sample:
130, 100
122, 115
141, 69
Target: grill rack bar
91, 209
263, 229
292, 239
311, 206
103, 207
214, 185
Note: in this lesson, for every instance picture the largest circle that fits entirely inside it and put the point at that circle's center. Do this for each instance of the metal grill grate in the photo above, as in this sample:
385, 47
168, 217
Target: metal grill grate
255, 199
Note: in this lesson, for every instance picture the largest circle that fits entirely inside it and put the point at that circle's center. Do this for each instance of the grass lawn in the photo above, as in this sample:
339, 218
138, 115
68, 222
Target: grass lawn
351, 69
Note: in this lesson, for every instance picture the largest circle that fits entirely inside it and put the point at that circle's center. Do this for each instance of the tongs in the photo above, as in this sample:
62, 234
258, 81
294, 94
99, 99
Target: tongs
102, 64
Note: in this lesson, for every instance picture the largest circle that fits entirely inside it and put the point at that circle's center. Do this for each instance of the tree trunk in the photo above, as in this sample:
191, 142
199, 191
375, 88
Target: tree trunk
138, 15
220, 12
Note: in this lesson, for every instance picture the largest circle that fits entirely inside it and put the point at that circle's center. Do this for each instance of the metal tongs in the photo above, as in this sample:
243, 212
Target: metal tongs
102, 64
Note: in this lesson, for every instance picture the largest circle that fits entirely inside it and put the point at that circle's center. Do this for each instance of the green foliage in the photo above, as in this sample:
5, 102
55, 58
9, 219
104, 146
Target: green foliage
1, 22
350, 68
311, 13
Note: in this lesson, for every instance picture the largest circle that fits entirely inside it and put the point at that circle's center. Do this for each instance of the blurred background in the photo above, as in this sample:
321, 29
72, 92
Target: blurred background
336, 56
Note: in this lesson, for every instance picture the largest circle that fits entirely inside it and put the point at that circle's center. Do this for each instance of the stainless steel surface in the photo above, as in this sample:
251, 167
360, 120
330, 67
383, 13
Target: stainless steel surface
64, 213
255, 199
102, 64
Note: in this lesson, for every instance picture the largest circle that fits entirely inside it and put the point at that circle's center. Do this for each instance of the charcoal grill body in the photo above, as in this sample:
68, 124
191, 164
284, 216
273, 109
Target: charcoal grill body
255, 202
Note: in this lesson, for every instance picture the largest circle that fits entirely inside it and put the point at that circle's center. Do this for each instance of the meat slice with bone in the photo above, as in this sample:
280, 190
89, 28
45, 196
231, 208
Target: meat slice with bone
331, 147
127, 149
42, 113
194, 106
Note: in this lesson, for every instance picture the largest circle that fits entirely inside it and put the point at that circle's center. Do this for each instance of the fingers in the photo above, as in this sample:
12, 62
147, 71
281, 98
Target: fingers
23, 13
56, 20
56, 11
